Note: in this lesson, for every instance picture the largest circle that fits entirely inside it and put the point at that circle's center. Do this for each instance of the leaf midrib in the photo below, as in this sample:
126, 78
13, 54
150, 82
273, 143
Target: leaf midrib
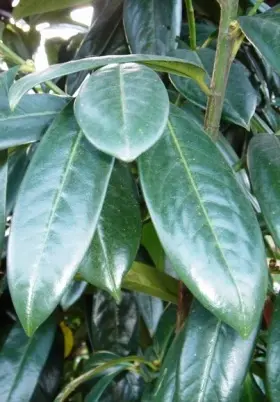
209, 362
190, 176
123, 109
26, 116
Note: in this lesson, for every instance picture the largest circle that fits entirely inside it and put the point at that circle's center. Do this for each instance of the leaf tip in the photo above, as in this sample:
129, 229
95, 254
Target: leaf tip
12, 106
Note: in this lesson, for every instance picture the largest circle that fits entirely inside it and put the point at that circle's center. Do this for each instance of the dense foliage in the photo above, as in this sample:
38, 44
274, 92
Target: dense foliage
140, 202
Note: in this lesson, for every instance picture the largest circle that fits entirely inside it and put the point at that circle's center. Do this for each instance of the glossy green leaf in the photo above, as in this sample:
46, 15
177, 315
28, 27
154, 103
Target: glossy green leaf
22, 360
241, 175
72, 294
152, 26
207, 361
17, 164
29, 120
264, 165
114, 327
31, 7
273, 350
240, 99
106, 18
263, 30
55, 216
228, 153
134, 106
198, 211
191, 68
117, 235
250, 391
98, 389
3, 193
145, 279
151, 309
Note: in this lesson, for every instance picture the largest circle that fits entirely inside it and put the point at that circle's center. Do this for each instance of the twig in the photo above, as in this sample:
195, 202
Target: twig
223, 61
191, 22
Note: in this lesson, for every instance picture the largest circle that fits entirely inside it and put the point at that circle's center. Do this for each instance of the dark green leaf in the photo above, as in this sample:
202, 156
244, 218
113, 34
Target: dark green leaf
263, 30
147, 392
250, 391
102, 384
152, 244
129, 388
191, 68
151, 309
152, 26
106, 17
50, 378
272, 117
207, 361
165, 331
65, 184
22, 360
31, 117
114, 326
3, 192
264, 165
134, 106
24, 44
6, 80
204, 30
145, 279
17, 164
117, 45
29, 120
116, 239
209, 8
72, 294
241, 97
198, 212
273, 351
31, 7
